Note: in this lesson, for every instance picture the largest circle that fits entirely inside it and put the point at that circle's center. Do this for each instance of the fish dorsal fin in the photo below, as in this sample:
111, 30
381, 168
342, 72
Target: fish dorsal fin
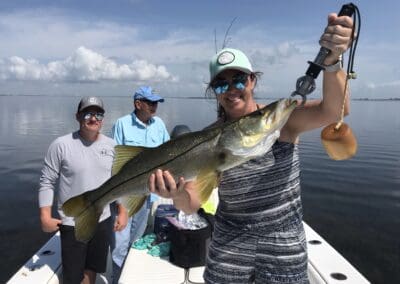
133, 203
205, 183
123, 154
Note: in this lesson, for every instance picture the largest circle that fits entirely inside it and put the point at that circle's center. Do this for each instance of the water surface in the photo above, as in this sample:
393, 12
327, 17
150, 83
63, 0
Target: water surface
353, 204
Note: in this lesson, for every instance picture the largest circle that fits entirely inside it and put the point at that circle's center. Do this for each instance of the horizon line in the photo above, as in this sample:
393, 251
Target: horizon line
190, 97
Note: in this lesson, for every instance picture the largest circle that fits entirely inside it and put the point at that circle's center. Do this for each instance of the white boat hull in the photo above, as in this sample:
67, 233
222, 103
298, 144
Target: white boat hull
325, 266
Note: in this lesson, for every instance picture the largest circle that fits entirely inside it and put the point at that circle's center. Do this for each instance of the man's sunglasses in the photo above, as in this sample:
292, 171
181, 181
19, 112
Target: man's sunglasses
88, 115
148, 102
238, 82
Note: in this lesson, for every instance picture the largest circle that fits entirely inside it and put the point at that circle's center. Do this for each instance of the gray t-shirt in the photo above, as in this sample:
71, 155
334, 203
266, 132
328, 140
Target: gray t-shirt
73, 166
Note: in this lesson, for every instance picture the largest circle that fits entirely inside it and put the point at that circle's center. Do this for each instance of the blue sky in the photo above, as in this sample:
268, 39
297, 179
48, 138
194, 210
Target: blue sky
111, 47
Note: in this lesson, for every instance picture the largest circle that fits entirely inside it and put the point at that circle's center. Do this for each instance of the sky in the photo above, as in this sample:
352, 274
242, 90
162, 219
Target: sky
109, 48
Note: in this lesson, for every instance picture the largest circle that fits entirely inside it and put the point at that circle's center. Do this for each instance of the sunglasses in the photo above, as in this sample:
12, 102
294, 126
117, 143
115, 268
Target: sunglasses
148, 102
239, 82
88, 115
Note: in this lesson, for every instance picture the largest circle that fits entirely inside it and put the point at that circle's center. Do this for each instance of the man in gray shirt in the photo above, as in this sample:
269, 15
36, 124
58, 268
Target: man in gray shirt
75, 163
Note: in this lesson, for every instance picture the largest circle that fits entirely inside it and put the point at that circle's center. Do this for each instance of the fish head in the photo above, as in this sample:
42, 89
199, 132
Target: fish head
255, 133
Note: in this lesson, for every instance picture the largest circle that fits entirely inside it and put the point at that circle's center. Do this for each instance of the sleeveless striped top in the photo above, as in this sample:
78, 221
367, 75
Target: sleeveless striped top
262, 194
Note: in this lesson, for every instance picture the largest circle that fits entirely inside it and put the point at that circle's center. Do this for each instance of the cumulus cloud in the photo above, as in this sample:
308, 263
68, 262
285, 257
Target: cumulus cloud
84, 65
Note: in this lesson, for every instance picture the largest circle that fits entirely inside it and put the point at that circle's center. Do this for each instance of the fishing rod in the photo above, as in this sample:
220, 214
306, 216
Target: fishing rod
305, 85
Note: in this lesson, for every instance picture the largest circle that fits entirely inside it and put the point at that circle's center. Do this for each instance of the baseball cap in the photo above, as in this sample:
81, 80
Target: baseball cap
229, 58
90, 101
147, 93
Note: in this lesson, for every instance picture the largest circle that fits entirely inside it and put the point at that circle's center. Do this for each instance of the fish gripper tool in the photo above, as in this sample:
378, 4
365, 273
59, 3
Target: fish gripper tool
305, 85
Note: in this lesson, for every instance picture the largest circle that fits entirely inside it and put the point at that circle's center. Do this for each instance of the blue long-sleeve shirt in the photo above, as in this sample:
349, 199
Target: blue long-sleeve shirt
130, 130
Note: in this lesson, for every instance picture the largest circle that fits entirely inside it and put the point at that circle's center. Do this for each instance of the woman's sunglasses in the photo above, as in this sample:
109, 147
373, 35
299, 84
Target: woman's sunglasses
88, 115
238, 82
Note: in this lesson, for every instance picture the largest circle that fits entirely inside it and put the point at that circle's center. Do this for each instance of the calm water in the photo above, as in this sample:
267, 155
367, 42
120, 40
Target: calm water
354, 204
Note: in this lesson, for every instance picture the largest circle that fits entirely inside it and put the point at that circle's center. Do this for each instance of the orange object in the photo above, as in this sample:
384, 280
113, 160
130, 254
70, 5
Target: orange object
340, 143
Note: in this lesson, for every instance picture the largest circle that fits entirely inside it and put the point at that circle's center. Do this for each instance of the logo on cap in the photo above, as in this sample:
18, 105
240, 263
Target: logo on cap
226, 57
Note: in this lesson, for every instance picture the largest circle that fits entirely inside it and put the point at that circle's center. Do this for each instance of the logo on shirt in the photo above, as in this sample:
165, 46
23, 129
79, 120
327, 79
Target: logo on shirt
106, 152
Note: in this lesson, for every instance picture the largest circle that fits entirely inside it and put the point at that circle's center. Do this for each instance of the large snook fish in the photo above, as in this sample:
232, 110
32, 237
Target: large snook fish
199, 156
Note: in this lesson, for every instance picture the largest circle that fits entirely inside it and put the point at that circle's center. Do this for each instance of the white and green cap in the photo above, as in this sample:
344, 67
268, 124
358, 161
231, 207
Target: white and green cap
229, 58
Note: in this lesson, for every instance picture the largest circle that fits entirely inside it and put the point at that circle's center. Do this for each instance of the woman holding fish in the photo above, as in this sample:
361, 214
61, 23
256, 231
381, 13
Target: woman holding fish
258, 235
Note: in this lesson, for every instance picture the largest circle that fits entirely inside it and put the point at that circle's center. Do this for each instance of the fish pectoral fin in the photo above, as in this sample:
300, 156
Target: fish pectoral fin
133, 203
205, 183
123, 154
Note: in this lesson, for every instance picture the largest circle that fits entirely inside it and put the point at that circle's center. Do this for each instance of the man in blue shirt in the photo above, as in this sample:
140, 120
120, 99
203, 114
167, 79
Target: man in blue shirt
139, 128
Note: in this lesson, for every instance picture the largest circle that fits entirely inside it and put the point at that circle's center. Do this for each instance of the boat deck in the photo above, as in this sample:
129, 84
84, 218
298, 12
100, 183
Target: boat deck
325, 266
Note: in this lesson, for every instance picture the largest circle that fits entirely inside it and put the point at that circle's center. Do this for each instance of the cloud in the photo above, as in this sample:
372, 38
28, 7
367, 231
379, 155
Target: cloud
273, 55
38, 47
84, 65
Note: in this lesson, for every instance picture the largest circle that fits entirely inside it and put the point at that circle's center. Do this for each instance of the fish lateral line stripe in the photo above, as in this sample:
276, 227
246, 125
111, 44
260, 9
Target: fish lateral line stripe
220, 128
166, 162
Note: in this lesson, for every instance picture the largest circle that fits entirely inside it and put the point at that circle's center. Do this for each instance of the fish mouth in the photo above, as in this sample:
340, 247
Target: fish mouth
290, 103
286, 106
278, 118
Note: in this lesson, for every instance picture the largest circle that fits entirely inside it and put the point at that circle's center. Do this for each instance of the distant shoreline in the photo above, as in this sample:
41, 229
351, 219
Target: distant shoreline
192, 98
367, 99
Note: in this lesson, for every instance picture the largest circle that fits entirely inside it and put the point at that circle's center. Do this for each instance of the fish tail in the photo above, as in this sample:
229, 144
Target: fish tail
86, 223
86, 216
75, 205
